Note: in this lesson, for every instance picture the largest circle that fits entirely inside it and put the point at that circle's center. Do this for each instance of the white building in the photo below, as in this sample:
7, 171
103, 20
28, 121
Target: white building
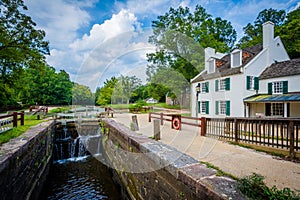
279, 91
228, 81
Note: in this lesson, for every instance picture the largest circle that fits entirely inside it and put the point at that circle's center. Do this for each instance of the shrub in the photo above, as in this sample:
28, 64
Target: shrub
254, 187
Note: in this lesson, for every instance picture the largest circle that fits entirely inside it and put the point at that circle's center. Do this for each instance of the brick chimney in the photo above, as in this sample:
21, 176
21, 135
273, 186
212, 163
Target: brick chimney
268, 34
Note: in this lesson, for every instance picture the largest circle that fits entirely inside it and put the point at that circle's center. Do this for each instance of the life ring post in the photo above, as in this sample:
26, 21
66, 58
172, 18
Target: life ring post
176, 122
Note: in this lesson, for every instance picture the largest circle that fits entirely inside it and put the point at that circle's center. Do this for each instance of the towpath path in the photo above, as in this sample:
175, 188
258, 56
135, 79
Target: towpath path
233, 159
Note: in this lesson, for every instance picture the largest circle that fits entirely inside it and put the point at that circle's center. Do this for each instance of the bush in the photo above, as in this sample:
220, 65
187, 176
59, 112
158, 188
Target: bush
254, 187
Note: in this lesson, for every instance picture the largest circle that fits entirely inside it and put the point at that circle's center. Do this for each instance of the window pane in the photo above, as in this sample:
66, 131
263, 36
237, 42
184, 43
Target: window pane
211, 66
203, 107
277, 109
277, 87
222, 107
222, 84
236, 59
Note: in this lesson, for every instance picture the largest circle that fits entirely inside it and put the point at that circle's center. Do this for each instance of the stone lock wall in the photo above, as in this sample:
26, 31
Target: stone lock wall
148, 169
24, 162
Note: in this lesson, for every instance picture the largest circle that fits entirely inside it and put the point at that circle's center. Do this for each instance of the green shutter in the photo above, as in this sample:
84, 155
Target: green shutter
269, 88
198, 106
207, 107
217, 85
256, 83
227, 84
206, 87
248, 82
284, 87
217, 107
227, 108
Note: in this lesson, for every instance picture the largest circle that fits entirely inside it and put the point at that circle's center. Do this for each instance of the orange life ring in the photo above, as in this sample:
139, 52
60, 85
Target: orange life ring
176, 123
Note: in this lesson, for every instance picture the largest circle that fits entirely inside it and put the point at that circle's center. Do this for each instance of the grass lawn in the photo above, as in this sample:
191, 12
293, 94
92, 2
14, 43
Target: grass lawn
60, 109
16, 131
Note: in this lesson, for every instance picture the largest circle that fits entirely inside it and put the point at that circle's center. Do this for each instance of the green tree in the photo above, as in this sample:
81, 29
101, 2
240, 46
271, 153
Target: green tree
125, 88
43, 85
290, 33
104, 94
82, 95
253, 32
180, 35
20, 44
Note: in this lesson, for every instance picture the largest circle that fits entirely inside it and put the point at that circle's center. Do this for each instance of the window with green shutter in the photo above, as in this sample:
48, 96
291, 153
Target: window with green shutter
217, 107
252, 83
248, 82
227, 84
256, 83
206, 87
216, 85
207, 107
284, 87
227, 108
270, 86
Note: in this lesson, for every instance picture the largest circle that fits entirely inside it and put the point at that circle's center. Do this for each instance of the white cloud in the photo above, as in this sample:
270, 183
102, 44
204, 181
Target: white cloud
60, 19
110, 49
119, 23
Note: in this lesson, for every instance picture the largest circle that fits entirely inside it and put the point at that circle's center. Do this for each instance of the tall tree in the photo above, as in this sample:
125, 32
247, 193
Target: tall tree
290, 33
180, 36
253, 32
82, 95
125, 88
20, 44
104, 94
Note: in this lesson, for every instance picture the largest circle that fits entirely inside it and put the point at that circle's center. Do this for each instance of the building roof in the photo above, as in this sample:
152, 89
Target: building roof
224, 68
279, 69
272, 98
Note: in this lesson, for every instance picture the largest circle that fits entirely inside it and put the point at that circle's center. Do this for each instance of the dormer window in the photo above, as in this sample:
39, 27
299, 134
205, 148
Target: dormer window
236, 58
211, 66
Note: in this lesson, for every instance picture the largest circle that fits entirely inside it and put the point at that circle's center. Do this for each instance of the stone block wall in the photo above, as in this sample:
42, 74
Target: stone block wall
25, 161
152, 170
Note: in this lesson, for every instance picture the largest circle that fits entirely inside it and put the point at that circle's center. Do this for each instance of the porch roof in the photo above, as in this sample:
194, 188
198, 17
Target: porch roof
272, 98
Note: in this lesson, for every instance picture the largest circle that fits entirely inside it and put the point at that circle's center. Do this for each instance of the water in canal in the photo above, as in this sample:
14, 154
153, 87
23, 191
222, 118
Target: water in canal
75, 174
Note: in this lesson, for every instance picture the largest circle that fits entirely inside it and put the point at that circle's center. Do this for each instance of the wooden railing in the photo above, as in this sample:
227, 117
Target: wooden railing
281, 133
184, 120
278, 133
9, 121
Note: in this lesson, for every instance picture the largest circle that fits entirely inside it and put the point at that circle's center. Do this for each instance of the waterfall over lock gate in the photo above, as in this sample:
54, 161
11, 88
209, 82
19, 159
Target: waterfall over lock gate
76, 140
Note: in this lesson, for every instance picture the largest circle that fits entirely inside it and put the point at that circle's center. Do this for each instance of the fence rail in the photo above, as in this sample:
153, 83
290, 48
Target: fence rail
9, 121
278, 133
184, 120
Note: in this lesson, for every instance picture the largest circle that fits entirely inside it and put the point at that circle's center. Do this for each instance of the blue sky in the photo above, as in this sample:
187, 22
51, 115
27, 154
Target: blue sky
95, 39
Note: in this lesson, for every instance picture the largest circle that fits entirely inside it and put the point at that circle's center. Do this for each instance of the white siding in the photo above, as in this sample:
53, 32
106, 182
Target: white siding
293, 83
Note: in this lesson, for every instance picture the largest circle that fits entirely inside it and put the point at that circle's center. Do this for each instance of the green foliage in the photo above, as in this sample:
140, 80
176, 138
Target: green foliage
286, 26
180, 37
290, 33
254, 187
125, 89
59, 110
24, 74
82, 95
253, 32
104, 94
43, 85
118, 90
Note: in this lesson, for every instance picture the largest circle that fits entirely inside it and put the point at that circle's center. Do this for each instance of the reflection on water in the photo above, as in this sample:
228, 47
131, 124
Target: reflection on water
80, 178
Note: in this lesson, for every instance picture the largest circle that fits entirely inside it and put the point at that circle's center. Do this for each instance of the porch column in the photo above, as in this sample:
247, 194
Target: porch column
285, 109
